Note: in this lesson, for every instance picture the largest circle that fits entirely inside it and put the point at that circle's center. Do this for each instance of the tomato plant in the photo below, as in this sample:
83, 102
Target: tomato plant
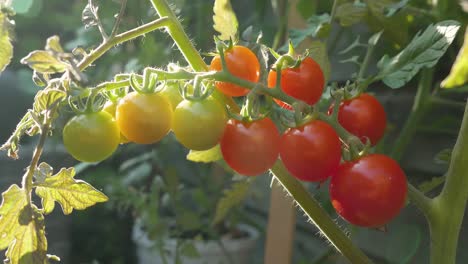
172, 94
311, 152
364, 117
241, 62
369, 191
199, 124
144, 118
91, 137
111, 108
304, 82
250, 147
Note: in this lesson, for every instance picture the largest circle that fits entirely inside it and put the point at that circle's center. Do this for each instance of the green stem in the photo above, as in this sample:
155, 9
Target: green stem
420, 107
319, 216
120, 38
177, 33
449, 207
27, 182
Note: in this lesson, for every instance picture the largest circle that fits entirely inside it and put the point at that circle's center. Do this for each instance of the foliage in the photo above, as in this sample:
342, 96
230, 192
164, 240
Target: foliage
152, 184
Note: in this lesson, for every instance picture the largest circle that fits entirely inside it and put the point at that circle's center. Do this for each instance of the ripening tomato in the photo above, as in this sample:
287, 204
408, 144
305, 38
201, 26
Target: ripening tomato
110, 108
369, 191
91, 137
144, 118
199, 125
250, 148
304, 82
311, 152
242, 63
364, 117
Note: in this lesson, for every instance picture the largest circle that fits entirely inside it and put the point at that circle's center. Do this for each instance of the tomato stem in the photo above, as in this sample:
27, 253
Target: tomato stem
318, 215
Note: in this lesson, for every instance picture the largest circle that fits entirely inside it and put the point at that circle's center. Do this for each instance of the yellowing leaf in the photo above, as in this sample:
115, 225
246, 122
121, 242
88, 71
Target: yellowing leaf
53, 44
47, 97
68, 192
44, 62
30, 245
207, 156
13, 202
225, 20
459, 73
6, 49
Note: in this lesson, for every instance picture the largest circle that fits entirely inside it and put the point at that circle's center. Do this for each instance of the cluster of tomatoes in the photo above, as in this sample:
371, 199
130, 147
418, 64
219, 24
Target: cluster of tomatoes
367, 191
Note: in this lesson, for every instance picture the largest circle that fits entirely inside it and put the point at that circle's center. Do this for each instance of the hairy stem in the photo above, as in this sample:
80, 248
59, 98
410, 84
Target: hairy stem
319, 216
449, 207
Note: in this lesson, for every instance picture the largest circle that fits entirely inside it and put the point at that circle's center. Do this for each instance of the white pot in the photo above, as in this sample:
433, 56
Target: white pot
236, 251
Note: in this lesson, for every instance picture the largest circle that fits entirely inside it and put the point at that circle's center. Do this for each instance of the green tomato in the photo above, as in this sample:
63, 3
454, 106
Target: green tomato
172, 94
91, 137
199, 125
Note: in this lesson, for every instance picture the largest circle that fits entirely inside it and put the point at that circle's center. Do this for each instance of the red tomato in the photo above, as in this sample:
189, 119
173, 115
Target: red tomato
363, 117
250, 148
305, 82
241, 62
311, 152
370, 191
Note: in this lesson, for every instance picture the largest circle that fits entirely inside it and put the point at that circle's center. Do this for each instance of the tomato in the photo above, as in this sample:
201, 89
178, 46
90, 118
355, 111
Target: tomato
364, 117
110, 108
250, 148
199, 125
304, 82
171, 92
369, 191
91, 137
311, 152
242, 63
144, 118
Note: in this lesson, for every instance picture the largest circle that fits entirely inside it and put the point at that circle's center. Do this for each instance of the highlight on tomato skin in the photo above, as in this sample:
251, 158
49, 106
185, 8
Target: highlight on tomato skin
363, 116
242, 63
91, 137
369, 191
305, 82
250, 148
144, 118
311, 152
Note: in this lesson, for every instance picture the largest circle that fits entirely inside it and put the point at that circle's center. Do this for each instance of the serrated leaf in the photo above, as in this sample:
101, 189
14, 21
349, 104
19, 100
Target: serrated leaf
68, 192
316, 25
318, 52
13, 202
395, 27
12, 144
44, 62
430, 185
225, 20
6, 48
42, 172
44, 99
423, 52
459, 72
350, 13
231, 197
206, 156
53, 44
30, 245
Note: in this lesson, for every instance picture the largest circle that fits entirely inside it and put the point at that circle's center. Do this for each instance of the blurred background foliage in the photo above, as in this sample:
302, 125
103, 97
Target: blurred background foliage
109, 241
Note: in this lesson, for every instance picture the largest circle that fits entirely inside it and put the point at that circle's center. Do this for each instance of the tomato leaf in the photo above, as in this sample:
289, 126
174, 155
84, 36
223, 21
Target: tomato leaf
30, 245
423, 52
53, 44
351, 13
206, 156
316, 26
225, 20
459, 73
44, 99
395, 27
12, 144
44, 62
13, 202
231, 198
318, 52
6, 48
68, 192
